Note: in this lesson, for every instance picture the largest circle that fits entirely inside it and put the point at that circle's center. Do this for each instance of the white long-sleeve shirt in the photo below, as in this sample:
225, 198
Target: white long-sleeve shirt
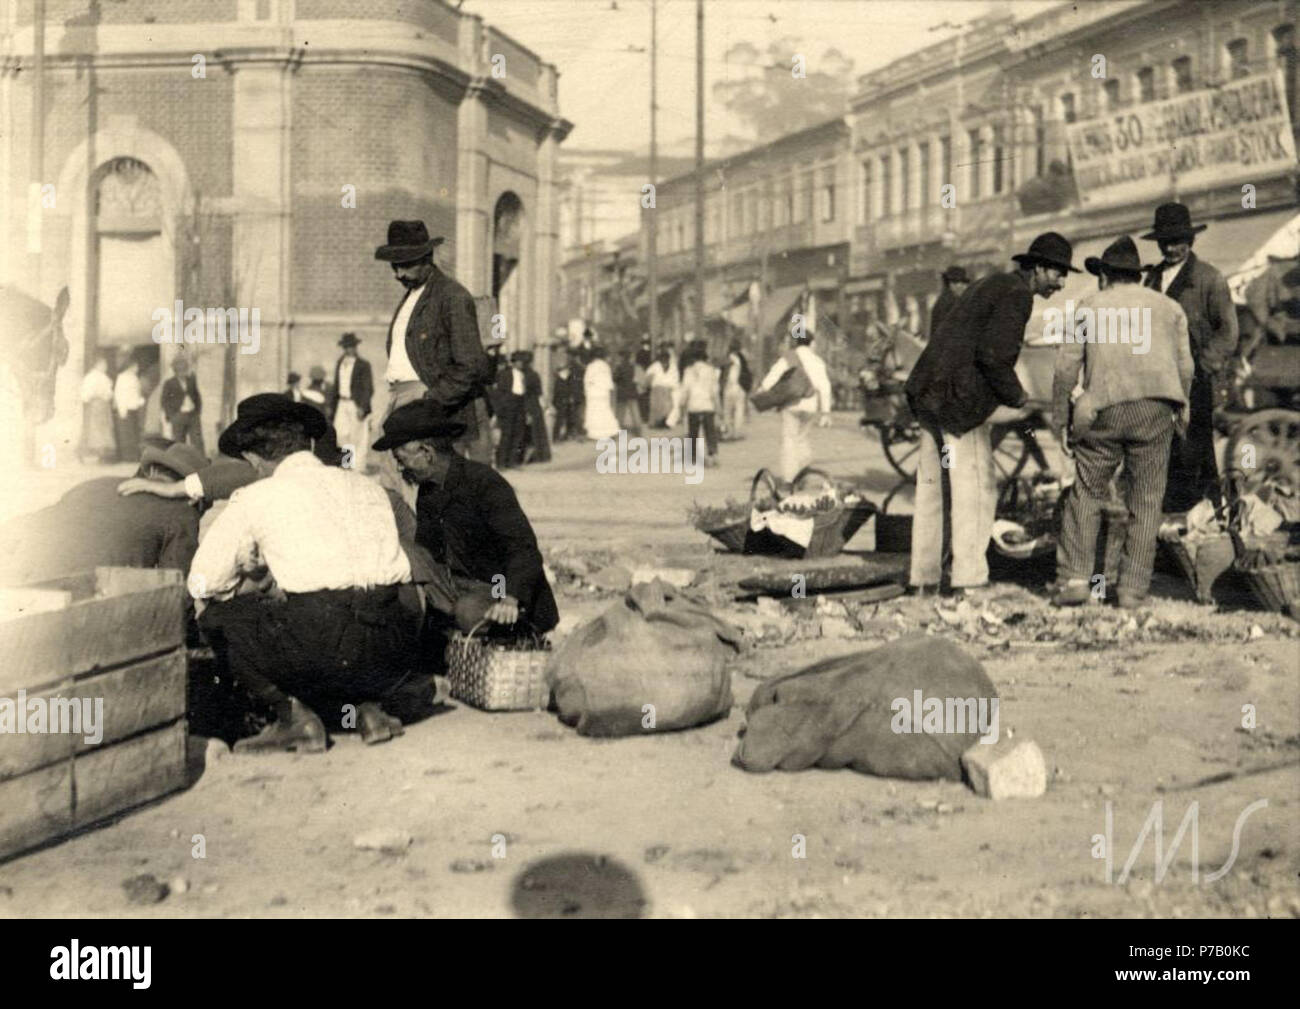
96, 385
815, 367
313, 526
126, 393
661, 376
698, 392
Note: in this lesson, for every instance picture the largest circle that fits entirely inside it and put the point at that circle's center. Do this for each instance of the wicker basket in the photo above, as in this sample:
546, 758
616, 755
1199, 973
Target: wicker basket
732, 535
1277, 586
493, 678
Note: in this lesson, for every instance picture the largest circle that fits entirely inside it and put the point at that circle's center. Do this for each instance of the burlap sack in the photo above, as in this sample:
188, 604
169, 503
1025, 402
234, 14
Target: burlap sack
655, 647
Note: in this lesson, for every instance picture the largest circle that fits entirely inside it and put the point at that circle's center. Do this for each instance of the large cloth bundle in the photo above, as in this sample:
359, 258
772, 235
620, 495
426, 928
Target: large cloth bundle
842, 713
655, 647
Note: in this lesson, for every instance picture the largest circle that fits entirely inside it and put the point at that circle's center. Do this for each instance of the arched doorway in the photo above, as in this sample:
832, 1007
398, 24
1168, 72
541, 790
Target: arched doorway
507, 243
132, 266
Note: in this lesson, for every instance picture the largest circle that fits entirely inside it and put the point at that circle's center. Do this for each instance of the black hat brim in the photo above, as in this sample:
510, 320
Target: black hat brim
1170, 236
453, 430
232, 439
406, 253
1025, 259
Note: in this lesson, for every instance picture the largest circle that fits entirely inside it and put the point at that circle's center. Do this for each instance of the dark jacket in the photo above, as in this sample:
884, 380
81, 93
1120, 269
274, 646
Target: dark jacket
1211, 315
474, 525
565, 390
942, 306
363, 385
173, 395
93, 526
446, 350
969, 366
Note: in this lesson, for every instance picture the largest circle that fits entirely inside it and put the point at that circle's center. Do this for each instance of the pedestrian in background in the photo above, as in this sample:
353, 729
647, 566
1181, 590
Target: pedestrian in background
96, 414
626, 393
128, 406
698, 398
955, 281
598, 393
182, 405
798, 418
566, 396
736, 383
663, 378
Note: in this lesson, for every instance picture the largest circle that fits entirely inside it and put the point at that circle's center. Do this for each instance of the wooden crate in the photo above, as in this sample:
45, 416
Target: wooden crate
119, 640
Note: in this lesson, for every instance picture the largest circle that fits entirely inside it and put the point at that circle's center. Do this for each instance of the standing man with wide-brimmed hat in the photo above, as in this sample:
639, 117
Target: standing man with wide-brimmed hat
434, 348
964, 380
1203, 293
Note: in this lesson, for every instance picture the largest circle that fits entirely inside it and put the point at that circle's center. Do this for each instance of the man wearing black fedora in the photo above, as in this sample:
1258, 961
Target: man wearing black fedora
1203, 293
1133, 350
469, 519
355, 387
965, 379
335, 641
434, 348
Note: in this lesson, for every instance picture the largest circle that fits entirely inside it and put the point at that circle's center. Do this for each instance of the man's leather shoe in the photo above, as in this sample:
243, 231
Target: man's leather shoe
302, 731
1073, 594
1126, 599
376, 725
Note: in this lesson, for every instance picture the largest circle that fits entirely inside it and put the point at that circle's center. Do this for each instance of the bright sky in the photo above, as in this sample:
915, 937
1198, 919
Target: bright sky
605, 89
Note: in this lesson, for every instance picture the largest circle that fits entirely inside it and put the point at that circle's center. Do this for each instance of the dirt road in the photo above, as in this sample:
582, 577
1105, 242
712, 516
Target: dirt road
515, 813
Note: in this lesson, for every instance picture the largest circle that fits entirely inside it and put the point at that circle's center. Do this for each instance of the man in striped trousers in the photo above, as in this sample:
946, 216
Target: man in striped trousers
1137, 374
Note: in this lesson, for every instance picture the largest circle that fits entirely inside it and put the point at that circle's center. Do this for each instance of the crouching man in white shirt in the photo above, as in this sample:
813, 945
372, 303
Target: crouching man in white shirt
333, 642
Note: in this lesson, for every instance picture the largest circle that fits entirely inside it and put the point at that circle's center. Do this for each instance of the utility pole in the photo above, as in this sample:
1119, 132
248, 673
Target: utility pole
699, 169
34, 221
651, 253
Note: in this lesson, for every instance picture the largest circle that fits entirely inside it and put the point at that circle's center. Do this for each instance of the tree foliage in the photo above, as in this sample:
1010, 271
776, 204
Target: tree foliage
764, 94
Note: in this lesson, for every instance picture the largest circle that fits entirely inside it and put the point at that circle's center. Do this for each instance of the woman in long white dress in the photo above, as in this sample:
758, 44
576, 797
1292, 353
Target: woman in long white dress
598, 386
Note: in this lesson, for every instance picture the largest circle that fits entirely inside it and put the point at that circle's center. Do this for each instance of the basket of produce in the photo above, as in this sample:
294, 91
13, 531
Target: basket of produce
727, 524
812, 518
498, 675
1271, 568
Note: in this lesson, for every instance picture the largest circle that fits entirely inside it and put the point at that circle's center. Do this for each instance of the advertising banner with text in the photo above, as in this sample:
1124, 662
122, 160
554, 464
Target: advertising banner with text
1239, 132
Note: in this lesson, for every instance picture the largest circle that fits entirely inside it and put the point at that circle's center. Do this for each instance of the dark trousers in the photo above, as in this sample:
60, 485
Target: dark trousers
510, 417
1136, 434
186, 427
1193, 473
568, 419
128, 435
327, 648
703, 420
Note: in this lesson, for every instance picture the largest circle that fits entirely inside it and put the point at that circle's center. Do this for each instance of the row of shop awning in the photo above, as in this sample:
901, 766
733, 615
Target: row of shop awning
1238, 247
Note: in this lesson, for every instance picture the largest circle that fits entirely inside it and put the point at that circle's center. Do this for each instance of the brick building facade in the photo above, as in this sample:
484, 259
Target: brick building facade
249, 154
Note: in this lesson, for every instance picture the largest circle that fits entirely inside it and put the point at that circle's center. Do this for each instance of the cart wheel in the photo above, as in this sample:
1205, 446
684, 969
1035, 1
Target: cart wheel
1265, 448
1011, 450
902, 445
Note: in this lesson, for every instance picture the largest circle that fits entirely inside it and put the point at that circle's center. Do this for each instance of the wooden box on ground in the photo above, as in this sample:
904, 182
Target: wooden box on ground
101, 681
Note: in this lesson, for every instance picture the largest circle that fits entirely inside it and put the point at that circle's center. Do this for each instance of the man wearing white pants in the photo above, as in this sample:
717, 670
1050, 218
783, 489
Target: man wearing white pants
964, 381
354, 388
797, 419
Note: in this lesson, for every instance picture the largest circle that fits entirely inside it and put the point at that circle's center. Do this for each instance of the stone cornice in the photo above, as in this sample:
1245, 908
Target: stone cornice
231, 44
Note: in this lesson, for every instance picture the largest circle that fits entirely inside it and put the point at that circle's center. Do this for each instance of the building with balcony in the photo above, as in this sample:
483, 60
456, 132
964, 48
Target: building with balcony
249, 154
777, 222
963, 151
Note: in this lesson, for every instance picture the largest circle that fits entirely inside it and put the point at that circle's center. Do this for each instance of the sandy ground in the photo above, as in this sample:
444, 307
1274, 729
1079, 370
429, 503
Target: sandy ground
516, 814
